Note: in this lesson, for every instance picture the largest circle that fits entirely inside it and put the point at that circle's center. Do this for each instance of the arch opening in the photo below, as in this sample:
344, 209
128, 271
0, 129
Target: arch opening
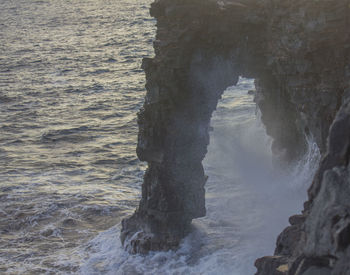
248, 194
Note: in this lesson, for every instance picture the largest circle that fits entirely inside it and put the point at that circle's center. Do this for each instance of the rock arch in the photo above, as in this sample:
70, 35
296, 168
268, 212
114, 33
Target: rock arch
197, 58
291, 49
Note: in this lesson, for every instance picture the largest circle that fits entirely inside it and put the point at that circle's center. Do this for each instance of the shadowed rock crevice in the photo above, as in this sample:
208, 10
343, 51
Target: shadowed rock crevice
298, 54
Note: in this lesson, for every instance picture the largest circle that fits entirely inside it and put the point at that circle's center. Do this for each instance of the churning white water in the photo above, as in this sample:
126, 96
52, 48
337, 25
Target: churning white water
248, 202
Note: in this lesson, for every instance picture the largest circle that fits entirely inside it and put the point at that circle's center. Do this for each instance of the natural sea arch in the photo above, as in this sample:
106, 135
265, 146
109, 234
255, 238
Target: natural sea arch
297, 52
173, 139
201, 50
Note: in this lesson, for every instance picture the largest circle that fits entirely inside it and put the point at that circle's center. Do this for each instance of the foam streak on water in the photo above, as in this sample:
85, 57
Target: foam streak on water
248, 202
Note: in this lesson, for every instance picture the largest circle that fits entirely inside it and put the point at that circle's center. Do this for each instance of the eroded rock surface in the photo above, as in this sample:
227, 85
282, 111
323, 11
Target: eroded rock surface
298, 53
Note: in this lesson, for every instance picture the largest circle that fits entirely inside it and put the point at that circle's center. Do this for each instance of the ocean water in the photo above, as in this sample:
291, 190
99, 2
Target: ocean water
70, 88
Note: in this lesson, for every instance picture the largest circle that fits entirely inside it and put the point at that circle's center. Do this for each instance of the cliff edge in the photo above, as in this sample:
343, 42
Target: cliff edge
298, 52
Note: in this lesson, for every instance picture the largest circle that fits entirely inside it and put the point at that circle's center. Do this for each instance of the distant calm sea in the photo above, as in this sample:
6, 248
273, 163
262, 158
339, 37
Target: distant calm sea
70, 88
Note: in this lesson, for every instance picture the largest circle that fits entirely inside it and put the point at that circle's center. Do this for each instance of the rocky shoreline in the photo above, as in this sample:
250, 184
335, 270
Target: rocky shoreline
298, 52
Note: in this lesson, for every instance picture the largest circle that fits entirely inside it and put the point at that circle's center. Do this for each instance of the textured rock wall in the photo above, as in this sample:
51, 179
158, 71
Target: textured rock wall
298, 53
310, 54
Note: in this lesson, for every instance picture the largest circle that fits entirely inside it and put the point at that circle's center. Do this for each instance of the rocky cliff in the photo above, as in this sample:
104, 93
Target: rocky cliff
298, 53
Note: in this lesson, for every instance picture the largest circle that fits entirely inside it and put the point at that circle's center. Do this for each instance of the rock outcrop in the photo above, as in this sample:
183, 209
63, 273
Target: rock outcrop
298, 52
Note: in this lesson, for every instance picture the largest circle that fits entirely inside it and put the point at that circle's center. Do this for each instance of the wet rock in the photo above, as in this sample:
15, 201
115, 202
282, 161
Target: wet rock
288, 241
297, 219
311, 266
251, 92
314, 270
272, 265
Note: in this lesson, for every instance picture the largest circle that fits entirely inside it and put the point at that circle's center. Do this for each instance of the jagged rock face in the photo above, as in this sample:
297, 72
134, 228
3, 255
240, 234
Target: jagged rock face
298, 53
327, 226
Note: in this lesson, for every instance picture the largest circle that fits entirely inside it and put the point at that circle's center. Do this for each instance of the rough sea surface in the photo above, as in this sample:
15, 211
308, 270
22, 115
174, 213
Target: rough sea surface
70, 88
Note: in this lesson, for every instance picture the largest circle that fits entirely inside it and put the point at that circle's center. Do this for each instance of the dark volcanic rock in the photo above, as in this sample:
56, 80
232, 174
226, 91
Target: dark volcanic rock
298, 53
272, 265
